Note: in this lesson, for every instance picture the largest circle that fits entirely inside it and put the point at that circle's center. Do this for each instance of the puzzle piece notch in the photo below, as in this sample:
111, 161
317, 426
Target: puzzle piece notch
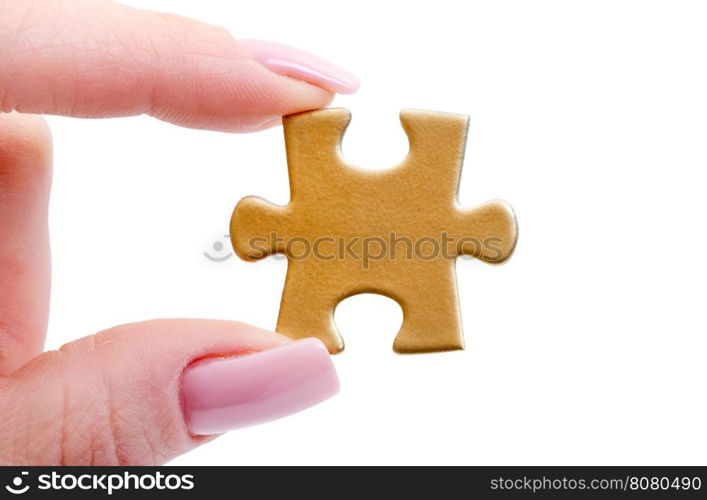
332, 198
313, 144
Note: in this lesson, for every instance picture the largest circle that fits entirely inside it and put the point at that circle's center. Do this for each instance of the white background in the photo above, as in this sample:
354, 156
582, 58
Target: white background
587, 347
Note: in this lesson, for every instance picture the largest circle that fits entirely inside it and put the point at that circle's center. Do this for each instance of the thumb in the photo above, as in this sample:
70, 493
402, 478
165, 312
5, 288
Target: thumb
143, 393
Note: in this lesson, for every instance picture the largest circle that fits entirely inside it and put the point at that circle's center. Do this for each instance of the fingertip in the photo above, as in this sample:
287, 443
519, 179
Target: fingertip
244, 97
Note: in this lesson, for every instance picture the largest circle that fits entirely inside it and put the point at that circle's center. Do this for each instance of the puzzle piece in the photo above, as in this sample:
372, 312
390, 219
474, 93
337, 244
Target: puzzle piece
348, 231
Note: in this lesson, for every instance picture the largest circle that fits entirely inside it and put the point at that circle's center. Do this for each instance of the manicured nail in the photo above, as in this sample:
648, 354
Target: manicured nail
296, 63
227, 393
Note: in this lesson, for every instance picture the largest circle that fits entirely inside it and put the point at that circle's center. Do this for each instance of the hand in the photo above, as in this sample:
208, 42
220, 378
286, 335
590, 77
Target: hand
143, 393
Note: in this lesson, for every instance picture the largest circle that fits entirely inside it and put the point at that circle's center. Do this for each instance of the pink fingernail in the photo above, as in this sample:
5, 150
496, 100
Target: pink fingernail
296, 63
227, 393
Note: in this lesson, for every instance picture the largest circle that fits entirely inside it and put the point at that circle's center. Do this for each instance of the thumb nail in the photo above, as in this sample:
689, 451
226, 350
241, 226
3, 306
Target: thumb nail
227, 393
296, 63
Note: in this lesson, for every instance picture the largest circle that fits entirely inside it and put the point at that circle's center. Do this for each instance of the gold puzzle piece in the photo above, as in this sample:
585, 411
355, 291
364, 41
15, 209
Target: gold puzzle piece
395, 232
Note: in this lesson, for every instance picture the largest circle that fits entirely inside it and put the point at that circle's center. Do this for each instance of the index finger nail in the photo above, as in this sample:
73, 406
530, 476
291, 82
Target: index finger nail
302, 65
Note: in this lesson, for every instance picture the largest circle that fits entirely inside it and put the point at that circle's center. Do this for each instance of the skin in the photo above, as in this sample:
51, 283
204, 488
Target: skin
111, 398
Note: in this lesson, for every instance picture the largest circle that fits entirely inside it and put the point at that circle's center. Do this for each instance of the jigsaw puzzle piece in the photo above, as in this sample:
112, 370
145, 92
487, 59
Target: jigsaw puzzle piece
334, 202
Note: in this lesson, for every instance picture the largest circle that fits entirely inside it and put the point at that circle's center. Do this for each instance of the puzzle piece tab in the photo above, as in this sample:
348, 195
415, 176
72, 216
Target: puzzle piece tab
395, 232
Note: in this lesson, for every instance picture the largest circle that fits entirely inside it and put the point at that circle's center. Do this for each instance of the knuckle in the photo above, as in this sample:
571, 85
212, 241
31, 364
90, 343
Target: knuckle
25, 149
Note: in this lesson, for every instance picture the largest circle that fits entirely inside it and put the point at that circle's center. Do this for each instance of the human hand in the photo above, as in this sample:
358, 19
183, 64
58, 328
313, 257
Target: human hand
142, 393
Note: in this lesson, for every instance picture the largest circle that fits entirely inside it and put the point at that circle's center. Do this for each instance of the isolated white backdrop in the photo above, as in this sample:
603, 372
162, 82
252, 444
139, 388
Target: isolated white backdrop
587, 347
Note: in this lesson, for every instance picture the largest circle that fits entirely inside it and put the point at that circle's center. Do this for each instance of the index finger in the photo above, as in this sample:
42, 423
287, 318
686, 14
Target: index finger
96, 58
